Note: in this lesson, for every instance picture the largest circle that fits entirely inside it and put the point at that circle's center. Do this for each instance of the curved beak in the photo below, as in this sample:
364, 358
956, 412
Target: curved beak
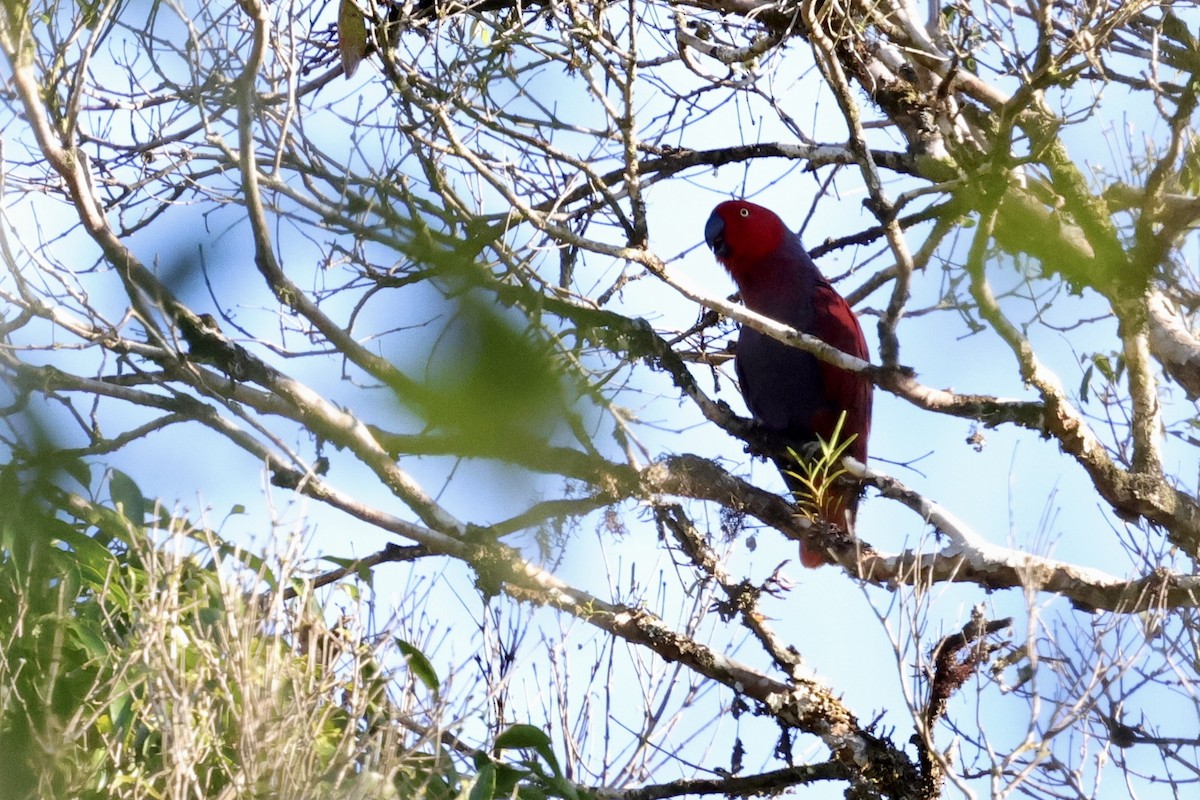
714, 234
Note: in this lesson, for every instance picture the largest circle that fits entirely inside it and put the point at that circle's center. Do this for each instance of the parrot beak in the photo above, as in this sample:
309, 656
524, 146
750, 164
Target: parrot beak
714, 234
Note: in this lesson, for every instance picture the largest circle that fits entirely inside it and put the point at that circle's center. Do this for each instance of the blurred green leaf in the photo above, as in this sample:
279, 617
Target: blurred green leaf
485, 784
127, 497
530, 737
16, 14
522, 736
506, 779
79, 470
120, 709
420, 666
243, 556
428, 776
352, 36
90, 555
491, 381
1189, 167
88, 639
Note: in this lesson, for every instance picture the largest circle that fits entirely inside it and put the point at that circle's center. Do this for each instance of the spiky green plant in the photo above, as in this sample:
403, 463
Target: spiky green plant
816, 474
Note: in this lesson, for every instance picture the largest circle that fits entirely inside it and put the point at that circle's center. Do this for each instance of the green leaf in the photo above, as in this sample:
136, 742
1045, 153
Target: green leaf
79, 470
532, 738
127, 497
486, 352
352, 36
427, 776
252, 561
507, 778
120, 709
420, 666
564, 788
485, 784
87, 639
16, 22
522, 736
89, 554
531, 793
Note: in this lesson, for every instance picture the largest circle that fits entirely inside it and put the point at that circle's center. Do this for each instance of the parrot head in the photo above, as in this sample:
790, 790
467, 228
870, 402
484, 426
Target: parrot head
741, 234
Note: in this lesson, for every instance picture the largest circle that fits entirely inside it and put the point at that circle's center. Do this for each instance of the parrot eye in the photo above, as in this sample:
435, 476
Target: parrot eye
745, 212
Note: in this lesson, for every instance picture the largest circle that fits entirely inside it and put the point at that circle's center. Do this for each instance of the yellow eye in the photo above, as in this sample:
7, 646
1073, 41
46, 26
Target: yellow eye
745, 212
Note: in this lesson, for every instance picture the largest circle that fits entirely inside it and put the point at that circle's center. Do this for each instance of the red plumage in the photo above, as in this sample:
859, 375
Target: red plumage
789, 391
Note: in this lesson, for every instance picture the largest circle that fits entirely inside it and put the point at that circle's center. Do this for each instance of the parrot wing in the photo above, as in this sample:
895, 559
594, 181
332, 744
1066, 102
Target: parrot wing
836, 324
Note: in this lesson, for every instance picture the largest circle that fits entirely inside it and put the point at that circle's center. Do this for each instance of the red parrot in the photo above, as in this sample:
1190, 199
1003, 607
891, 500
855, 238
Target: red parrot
790, 392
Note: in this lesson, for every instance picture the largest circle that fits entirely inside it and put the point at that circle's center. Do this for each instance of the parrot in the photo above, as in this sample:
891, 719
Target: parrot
789, 392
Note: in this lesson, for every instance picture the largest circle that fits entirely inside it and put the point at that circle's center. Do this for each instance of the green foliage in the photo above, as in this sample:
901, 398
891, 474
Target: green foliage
528, 778
127, 497
420, 666
817, 495
491, 381
53, 647
122, 664
148, 661
427, 776
1189, 169
15, 28
1111, 367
